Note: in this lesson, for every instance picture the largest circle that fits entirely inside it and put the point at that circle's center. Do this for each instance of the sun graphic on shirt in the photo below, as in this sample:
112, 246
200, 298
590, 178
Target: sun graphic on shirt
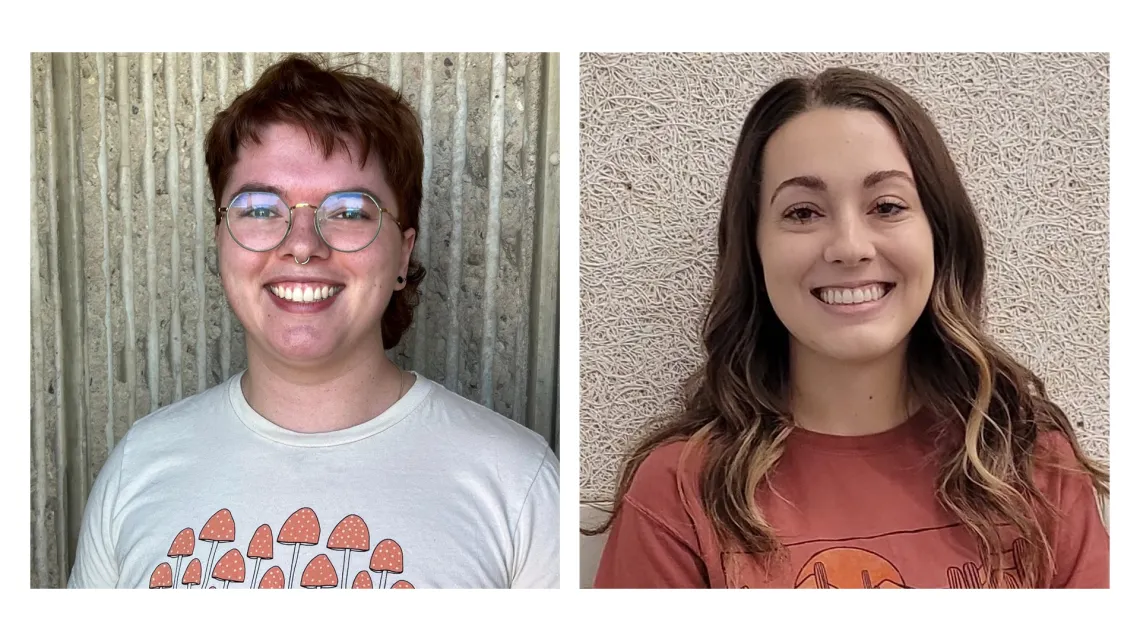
848, 568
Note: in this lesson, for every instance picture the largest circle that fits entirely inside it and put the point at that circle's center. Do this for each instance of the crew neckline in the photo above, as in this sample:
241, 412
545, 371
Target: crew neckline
891, 439
265, 428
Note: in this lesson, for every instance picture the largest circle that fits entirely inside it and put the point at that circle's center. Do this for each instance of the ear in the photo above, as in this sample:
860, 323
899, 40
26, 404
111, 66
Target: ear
407, 244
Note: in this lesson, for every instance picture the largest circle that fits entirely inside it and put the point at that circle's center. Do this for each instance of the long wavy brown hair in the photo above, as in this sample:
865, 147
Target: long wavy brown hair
736, 407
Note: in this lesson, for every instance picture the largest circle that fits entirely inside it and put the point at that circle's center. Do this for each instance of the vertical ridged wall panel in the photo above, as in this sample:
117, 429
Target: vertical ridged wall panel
128, 314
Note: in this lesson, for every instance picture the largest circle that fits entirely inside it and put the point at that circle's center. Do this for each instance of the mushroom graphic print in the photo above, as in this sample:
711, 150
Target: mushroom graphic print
348, 535
183, 546
161, 577
387, 557
193, 574
260, 547
274, 579
301, 528
319, 573
219, 529
363, 581
402, 585
230, 568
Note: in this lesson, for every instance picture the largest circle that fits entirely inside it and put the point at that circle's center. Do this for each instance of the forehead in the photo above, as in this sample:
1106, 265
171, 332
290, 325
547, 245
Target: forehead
837, 145
286, 157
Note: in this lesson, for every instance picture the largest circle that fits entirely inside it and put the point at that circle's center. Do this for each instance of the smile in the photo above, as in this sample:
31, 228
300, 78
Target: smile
305, 293
841, 296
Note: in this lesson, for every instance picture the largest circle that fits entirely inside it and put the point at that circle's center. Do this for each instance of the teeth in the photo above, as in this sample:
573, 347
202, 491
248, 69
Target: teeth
843, 296
304, 294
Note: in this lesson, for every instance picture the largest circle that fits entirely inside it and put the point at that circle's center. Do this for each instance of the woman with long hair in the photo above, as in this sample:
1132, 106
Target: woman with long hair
853, 425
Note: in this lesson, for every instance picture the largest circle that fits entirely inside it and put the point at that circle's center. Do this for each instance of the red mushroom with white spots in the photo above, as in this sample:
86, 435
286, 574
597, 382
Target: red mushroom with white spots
319, 573
402, 585
162, 577
387, 557
219, 529
182, 547
348, 535
301, 528
363, 581
274, 579
193, 573
230, 568
260, 547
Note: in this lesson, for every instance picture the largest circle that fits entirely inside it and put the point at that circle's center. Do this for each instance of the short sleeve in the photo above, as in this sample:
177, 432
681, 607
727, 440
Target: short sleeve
536, 532
95, 562
1079, 537
653, 542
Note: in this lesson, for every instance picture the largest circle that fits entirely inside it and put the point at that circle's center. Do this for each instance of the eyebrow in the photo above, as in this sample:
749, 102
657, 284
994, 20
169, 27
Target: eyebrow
815, 183
273, 189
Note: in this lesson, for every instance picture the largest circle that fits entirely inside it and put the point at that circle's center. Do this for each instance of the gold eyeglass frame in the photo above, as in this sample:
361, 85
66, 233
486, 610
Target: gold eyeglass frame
316, 220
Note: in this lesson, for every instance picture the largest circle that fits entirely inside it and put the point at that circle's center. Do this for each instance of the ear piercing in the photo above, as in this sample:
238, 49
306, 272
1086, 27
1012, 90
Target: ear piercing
400, 280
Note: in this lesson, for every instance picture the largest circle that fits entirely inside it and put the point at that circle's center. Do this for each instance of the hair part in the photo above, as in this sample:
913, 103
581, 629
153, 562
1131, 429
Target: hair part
337, 109
736, 410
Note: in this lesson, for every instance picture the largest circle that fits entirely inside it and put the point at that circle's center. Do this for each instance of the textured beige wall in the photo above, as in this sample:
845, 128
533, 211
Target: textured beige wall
1029, 134
128, 314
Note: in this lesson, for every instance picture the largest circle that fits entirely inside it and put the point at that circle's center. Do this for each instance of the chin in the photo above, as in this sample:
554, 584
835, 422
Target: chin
300, 345
855, 347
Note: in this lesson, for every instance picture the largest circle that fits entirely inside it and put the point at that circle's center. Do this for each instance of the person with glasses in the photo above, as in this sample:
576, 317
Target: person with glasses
323, 464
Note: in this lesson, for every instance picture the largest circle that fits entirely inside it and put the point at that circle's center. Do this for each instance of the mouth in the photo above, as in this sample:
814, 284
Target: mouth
853, 296
304, 292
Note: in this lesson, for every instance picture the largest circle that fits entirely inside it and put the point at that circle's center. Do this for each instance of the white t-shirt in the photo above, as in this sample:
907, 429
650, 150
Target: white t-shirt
436, 492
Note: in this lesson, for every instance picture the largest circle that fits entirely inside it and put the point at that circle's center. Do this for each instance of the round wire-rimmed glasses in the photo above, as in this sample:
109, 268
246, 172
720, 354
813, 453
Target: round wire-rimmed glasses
347, 221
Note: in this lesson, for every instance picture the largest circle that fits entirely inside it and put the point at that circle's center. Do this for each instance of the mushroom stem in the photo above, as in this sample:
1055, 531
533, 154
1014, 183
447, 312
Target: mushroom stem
344, 570
384, 580
177, 568
253, 578
206, 577
296, 550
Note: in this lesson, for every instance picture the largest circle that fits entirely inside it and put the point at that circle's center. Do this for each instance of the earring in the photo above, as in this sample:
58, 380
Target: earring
400, 280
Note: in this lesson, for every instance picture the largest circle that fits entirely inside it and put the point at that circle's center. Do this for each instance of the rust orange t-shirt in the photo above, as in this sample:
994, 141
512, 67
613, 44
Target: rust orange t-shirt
851, 512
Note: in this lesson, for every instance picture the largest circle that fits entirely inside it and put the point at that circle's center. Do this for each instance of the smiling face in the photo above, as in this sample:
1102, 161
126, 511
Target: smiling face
845, 245
343, 320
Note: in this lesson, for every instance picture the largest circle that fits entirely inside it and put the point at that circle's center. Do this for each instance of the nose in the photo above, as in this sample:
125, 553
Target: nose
851, 241
303, 242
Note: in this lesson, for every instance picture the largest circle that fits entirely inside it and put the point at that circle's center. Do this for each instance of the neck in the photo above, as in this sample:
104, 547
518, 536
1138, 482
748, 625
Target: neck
846, 398
323, 397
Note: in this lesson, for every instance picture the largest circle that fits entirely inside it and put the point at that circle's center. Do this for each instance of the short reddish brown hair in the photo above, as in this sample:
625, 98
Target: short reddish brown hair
335, 107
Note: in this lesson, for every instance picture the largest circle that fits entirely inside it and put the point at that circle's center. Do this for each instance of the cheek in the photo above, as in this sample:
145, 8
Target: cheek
238, 267
916, 255
376, 266
785, 264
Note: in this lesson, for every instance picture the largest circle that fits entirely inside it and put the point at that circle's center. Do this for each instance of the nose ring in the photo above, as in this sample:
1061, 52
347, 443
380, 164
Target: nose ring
302, 263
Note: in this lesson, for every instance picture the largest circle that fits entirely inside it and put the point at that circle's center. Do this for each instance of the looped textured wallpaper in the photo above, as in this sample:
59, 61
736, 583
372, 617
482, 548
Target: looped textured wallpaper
1029, 133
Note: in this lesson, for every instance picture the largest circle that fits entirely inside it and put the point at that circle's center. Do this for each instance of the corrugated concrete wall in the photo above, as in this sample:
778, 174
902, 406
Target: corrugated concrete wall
128, 314
1029, 134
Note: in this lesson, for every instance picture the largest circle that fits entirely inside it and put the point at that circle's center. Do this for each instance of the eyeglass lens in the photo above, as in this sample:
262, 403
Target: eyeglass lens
347, 221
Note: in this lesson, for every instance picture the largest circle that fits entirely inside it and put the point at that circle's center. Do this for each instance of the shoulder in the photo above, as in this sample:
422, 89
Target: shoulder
480, 448
178, 422
464, 424
1057, 471
1055, 455
667, 483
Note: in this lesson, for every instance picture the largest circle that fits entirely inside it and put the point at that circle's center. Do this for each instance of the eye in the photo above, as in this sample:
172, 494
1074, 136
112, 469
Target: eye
350, 214
259, 212
888, 208
800, 214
